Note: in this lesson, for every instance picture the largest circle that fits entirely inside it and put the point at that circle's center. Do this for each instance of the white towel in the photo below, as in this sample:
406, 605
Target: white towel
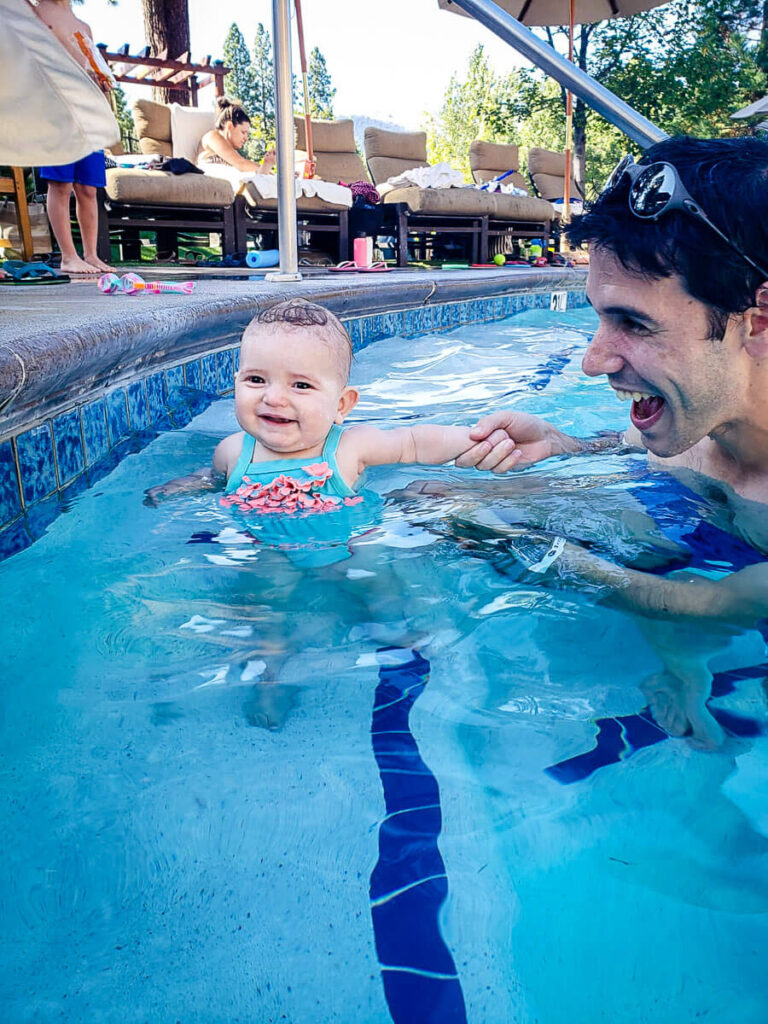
436, 176
266, 184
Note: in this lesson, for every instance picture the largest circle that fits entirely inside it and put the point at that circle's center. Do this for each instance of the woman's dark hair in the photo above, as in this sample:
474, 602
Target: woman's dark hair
729, 179
230, 110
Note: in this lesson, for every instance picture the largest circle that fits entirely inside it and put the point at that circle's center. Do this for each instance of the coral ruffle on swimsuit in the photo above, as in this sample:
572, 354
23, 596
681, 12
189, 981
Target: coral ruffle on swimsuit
304, 507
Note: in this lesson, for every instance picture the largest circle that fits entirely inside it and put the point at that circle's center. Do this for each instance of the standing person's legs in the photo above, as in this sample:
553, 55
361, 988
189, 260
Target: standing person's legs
90, 174
88, 219
59, 193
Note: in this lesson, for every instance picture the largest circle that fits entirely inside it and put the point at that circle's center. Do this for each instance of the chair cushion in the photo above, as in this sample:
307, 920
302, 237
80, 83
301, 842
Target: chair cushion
327, 136
304, 204
188, 126
155, 147
525, 208
129, 185
468, 202
548, 172
390, 153
489, 159
152, 120
346, 167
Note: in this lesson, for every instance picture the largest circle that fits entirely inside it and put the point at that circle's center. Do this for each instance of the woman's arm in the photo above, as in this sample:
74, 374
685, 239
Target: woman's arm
216, 143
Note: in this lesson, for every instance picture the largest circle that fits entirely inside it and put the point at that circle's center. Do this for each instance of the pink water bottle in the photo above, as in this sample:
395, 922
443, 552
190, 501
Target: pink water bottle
362, 250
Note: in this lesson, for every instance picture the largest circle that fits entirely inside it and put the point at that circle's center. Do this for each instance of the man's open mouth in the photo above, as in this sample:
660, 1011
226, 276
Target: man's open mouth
646, 408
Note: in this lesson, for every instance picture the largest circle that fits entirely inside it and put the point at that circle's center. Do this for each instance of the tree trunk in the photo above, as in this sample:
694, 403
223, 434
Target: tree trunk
166, 24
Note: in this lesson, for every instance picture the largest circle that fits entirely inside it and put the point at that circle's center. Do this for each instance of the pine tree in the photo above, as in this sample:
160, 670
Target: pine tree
263, 104
321, 92
239, 83
124, 118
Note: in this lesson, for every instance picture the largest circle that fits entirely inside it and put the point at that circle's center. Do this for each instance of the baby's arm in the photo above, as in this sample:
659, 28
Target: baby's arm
428, 444
210, 478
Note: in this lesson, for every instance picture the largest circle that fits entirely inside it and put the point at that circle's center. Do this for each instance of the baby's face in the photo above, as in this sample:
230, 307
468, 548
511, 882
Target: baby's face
290, 388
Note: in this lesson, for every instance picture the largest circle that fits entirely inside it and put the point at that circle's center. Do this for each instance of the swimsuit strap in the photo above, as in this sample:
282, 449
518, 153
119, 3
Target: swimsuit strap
329, 456
244, 459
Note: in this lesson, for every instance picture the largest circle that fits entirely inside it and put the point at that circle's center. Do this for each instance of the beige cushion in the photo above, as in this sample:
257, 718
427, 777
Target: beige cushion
490, 159
336, 157
152, 120
304, 204
188, 126
548, 172
471, 202
129, 185
391, 153
155, 147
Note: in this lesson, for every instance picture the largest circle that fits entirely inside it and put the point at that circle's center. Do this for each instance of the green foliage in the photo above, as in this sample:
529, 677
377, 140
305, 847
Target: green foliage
686, 66
263, 108
124, 118
321, 91
239, 82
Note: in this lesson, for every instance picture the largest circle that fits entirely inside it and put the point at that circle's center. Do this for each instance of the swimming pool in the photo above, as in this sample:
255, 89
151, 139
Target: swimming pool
167, 858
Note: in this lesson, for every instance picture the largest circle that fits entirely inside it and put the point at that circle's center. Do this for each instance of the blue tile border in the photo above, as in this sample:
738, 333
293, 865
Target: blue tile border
46, 464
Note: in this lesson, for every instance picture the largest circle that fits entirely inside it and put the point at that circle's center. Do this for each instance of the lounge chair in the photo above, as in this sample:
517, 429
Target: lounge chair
532, 216
464, 211
547, 172
137, 200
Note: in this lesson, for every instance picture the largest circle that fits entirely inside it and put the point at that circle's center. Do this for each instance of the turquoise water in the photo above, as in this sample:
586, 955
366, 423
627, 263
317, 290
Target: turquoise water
191, 806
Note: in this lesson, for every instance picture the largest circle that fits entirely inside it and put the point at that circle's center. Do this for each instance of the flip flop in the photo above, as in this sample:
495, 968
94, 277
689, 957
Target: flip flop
31, 273
350, 267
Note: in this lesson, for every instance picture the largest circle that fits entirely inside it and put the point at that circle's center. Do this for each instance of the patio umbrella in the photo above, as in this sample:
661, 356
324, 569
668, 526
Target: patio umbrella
51, 111
562, 12
758, 107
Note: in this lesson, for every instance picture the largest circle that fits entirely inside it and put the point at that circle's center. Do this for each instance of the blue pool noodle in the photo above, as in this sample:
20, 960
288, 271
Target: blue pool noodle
262, 258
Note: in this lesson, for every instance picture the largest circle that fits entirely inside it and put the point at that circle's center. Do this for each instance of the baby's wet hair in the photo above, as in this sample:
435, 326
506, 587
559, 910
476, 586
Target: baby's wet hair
302, 314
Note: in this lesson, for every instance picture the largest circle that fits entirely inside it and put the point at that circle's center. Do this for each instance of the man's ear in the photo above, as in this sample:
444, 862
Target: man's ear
756, 323
347, 402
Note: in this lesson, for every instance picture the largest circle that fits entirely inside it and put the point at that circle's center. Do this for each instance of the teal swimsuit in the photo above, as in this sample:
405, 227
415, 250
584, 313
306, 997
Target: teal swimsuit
313, 538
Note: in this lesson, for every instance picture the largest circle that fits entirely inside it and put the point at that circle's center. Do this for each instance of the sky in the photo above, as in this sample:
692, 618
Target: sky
389, 60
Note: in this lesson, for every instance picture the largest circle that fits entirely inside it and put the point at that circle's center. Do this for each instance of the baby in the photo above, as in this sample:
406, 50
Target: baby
292, 471
291, 398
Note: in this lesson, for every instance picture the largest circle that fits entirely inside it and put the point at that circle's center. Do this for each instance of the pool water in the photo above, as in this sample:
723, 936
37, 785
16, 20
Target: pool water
224, 801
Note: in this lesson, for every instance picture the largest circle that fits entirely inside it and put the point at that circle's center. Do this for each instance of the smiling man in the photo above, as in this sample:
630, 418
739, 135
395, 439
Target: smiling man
679, 279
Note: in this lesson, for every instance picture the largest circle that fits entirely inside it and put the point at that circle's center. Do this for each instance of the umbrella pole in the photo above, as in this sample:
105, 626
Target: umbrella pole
569, 125
309, 171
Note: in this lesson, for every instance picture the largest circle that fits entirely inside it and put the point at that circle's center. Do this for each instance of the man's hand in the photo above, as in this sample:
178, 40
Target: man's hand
514, 440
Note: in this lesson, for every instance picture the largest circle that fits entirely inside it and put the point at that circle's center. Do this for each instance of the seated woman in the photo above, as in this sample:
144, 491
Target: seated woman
221, 144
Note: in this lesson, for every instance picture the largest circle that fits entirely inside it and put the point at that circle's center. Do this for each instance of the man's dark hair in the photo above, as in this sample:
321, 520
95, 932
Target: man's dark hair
729, 180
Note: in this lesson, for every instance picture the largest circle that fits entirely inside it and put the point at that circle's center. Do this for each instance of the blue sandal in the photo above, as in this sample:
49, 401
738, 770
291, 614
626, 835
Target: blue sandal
31, 273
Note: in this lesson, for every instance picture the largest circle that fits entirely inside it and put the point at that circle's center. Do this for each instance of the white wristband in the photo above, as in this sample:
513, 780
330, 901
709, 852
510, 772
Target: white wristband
556, 549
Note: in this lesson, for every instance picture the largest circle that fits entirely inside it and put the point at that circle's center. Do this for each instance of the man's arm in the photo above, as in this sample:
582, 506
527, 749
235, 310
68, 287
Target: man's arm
514, 440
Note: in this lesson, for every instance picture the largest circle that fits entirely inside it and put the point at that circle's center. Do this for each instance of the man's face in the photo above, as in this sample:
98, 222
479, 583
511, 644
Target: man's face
653, 345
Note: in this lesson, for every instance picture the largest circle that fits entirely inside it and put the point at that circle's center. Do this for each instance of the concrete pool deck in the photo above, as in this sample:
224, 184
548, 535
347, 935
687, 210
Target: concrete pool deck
63, 341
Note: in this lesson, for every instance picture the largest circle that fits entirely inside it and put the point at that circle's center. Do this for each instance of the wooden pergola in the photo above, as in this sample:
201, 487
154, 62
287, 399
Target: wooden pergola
161, 71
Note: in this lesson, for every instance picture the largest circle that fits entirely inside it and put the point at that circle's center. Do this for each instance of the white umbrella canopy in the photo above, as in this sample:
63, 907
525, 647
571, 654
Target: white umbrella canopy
50, 110
557, 12
758, 107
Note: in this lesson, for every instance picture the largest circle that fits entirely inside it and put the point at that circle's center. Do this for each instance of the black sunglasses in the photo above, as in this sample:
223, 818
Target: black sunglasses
656, 189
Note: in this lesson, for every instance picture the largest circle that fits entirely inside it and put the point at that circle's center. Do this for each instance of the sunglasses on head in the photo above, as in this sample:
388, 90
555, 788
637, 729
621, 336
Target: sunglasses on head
656, 189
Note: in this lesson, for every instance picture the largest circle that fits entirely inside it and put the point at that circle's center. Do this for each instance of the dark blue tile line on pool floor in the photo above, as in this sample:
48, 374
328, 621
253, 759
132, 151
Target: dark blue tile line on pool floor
50, 460
409, 883
620, 737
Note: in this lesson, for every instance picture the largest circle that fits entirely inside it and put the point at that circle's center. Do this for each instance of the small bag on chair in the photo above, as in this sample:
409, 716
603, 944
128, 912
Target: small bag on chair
9, 229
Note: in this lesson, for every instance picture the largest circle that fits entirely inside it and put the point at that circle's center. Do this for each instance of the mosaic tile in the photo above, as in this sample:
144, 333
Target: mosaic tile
355, 334
209, 376
95, 434
101, 468
35, 451
117, 415
236, 359
40, 516
156, 396
69, 446
193, 374
10, 496
225, 371
14, 539
174, 378
138, 410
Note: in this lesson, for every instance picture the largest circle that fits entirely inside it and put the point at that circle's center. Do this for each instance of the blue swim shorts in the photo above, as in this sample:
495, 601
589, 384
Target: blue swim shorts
88, 171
